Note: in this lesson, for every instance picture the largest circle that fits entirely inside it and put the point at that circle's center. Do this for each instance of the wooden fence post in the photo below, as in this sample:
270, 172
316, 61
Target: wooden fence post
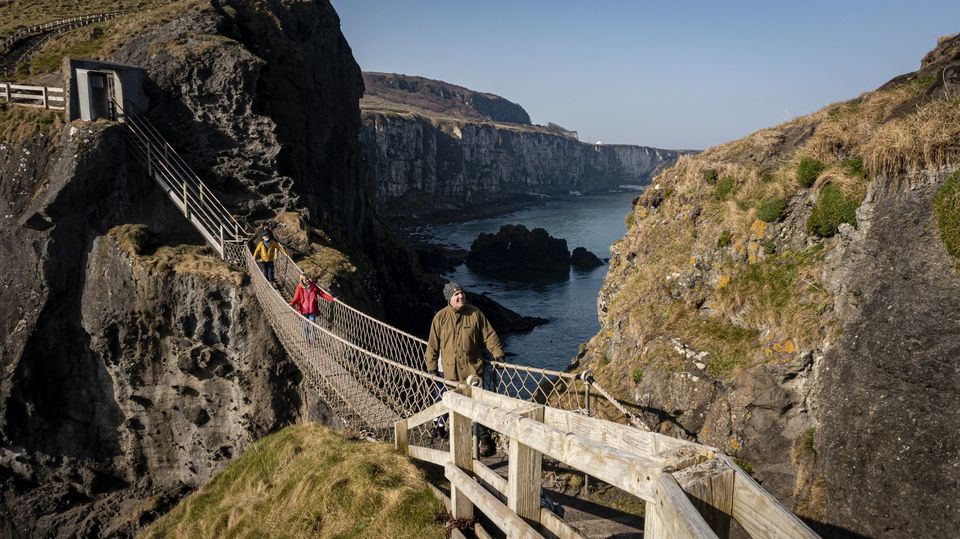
461, 456
524, 475
399, 428
652, 526
709, 485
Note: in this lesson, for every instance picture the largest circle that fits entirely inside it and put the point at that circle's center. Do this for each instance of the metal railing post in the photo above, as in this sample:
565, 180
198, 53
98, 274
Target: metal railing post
186, 206
149, 159
223, 246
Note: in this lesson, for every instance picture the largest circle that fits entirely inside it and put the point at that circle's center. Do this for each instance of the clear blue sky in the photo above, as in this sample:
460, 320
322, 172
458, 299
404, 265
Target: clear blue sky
663, 74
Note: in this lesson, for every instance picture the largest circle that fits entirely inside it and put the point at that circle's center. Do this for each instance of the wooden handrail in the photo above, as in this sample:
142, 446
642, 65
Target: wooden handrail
690, 490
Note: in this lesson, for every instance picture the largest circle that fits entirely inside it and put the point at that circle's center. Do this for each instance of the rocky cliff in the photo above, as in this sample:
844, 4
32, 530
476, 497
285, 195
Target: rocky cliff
135, 363
791, 298
439, 158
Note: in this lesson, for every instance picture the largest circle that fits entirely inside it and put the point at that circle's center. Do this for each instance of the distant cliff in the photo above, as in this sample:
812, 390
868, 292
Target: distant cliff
388, 91
430, 152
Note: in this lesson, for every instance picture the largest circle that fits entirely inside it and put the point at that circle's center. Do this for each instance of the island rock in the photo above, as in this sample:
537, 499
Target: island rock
584, 259
516, 247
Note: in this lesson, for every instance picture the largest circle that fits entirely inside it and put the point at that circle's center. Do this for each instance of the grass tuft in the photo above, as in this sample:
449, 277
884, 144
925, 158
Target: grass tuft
808, 171
947, 211
832, 209
772, 209
725, 239
724, 187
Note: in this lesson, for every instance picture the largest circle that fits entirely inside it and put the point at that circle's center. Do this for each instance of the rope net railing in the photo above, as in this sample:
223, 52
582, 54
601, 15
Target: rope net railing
557, 389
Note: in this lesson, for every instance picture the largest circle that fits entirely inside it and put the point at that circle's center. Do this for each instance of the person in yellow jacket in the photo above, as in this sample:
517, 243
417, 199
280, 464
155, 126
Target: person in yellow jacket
458, 334
266, 252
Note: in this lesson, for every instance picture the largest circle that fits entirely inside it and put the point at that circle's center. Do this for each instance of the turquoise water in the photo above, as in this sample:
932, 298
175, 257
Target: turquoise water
569, 302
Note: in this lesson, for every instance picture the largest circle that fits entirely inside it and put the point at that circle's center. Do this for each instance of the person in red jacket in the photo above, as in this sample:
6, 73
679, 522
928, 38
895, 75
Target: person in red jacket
306, 301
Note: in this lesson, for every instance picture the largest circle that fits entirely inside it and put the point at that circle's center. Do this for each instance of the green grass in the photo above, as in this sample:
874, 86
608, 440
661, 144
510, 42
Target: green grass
20, 13
808, 171
87, 43
729, 347
724, 187
853, 166
772, 209
744, 465
769, 284
832, 209
725, 239
710, 175
947, 211
18, 124
308, 481
637, 375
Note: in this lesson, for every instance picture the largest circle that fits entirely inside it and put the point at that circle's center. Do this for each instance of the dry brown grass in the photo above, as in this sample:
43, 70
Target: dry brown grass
99, 41
18, 124
21, 13
136, 241
191, 259
928, 138
308, 481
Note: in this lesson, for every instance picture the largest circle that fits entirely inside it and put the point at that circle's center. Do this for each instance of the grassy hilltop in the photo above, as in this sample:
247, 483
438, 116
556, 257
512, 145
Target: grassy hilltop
308, 481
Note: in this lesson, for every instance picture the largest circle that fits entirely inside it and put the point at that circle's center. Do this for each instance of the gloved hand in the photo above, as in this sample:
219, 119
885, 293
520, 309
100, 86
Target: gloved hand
435, 372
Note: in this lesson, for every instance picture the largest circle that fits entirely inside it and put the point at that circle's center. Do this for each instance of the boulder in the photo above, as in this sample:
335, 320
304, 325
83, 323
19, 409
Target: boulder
584, 259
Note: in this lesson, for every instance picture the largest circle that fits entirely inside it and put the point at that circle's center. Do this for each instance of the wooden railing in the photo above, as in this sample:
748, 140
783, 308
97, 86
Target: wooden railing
44, 97
689, 490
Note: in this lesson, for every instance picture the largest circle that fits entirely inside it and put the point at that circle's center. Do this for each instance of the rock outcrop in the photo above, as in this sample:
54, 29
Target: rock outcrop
439, 159
805, 323
583, 259
515, 247
127, 380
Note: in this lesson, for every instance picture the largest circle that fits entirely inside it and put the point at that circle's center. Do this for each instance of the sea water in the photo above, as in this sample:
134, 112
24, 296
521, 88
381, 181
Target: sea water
569, 301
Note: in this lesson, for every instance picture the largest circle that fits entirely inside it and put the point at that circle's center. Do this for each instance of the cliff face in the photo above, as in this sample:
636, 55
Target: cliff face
426, 165
127, 380
790, 299
135, 363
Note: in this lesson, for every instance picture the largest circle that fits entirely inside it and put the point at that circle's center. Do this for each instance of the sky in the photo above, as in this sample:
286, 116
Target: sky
678, 75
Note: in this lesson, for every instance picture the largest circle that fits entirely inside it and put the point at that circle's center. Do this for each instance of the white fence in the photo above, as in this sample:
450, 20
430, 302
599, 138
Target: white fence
41, 97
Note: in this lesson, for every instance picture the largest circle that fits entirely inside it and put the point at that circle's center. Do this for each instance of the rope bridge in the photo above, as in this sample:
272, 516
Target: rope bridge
369, 373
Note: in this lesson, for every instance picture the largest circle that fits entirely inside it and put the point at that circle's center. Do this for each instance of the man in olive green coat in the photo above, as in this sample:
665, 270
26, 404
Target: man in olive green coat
457, 335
